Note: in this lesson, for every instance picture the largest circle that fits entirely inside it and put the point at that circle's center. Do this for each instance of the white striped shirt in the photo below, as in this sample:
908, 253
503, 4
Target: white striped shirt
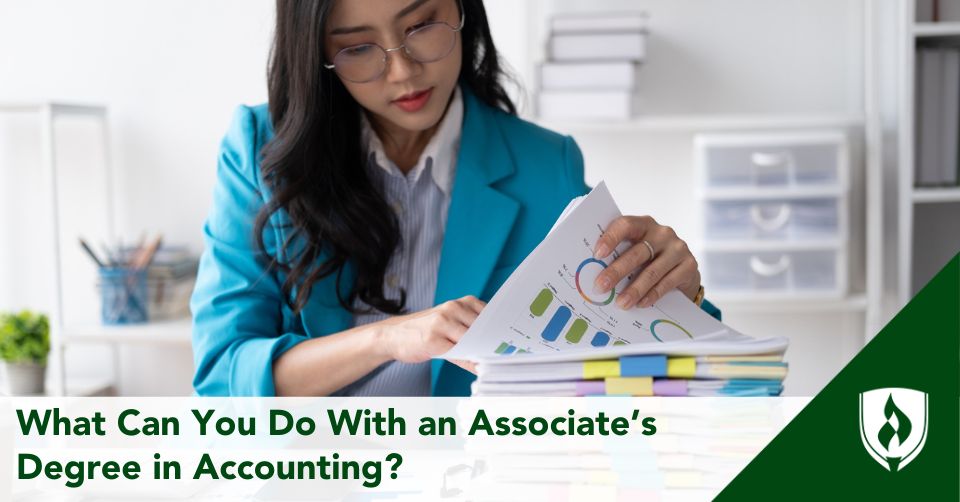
420, 200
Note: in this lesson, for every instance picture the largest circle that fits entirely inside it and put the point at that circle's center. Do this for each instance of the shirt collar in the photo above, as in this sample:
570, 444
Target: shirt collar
442, 149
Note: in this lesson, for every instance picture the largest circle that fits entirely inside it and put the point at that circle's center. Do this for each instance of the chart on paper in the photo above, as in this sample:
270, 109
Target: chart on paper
567, 312
549, 303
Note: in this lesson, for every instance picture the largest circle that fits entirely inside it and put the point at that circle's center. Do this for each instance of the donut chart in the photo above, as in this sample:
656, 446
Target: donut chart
586, 274
667, 322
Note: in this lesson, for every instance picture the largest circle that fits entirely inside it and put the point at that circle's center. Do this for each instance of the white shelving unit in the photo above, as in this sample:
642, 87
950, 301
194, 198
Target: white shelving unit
49, 114
172, 333
940, 207
941, 29
63, 335
856, 303
934, 195
707, 123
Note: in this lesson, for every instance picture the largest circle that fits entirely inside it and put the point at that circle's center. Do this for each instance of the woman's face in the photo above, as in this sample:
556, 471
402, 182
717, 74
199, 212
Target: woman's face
385, 23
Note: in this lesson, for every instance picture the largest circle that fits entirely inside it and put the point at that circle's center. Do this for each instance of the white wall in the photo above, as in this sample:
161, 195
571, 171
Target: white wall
171, 72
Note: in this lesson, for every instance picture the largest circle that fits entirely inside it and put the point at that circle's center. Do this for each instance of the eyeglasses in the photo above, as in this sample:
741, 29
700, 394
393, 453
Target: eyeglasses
426, 44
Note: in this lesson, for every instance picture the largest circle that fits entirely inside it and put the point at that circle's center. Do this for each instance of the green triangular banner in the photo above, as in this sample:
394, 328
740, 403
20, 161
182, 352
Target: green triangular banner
895, 449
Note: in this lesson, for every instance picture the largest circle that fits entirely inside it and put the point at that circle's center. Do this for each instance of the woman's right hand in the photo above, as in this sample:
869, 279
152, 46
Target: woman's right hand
418, 337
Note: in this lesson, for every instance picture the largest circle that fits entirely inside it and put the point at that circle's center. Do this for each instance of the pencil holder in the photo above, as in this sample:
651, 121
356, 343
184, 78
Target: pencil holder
123, 294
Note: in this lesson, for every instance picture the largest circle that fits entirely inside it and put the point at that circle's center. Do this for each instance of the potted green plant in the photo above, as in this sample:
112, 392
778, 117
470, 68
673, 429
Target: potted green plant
24, 345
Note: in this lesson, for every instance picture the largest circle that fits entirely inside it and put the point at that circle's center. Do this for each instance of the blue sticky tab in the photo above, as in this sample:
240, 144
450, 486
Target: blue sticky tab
653, 365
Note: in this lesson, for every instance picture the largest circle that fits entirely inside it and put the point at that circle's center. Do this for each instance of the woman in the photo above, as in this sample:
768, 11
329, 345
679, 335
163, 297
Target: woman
359, 220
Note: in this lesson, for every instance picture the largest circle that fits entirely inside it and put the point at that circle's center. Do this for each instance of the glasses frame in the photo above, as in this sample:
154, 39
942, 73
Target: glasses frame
403, 45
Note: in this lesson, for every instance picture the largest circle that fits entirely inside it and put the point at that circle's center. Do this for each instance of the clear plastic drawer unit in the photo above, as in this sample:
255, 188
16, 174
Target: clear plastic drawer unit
774, 212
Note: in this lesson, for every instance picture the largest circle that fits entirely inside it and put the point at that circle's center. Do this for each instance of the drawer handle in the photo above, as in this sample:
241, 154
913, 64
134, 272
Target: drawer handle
761, 159
770, 224
760, 267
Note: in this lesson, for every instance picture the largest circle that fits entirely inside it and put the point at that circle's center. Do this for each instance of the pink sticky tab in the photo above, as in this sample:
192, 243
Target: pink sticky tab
668, 387
590, 387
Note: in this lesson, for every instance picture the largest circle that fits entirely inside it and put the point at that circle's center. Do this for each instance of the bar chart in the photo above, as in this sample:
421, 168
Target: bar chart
563, 324
580, 320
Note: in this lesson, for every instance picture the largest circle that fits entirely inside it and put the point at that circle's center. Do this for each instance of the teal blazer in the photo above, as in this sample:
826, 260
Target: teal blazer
512, 180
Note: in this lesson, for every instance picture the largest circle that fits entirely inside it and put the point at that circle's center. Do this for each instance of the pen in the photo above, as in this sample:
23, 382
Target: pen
86, 247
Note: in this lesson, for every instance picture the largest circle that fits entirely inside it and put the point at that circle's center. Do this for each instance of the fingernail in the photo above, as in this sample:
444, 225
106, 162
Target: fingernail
602, 251
625, 300
645, 302
602, 285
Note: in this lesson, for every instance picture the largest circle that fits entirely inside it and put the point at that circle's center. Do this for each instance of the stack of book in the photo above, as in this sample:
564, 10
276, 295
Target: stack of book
592, 66
938, 116
170, 280
634, 375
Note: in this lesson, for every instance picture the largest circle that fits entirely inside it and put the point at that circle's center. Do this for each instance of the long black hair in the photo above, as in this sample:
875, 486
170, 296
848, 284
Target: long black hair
314, 168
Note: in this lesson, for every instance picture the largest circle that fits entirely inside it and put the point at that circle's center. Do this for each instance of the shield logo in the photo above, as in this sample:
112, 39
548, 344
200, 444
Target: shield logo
893, 425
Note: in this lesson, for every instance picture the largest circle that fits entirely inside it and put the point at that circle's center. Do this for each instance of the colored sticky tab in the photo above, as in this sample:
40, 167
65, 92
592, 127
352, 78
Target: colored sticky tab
681, 367
634, 386
654, 366
590, 387
600, 369
667, 387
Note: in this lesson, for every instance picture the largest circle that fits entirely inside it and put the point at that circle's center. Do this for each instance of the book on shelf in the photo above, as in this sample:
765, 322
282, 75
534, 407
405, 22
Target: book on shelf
927, 169
590, 76
950, 116
578, 22
935, 11
592, 65
622, 46
927, 117
925, 11
937, 116
947, 11
170, 281
582, 104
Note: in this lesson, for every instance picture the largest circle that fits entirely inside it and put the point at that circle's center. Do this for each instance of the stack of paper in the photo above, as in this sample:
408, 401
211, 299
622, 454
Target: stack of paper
641, 375
548, 332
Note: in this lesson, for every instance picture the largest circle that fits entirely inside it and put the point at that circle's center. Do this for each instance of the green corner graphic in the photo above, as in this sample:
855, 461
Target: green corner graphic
821, 452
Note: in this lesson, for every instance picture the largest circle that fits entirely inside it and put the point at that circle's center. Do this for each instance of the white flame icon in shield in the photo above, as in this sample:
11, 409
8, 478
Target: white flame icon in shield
893, 425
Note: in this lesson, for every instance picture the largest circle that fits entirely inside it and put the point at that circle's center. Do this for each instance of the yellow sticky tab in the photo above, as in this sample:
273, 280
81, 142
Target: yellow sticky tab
601, 369
681, 367
634, 386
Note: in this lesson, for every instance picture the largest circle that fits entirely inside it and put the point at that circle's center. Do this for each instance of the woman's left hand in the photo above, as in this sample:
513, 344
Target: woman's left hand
673, 265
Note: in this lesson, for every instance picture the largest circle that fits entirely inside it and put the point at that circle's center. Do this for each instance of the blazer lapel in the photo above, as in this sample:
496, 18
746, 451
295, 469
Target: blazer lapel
480, 217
